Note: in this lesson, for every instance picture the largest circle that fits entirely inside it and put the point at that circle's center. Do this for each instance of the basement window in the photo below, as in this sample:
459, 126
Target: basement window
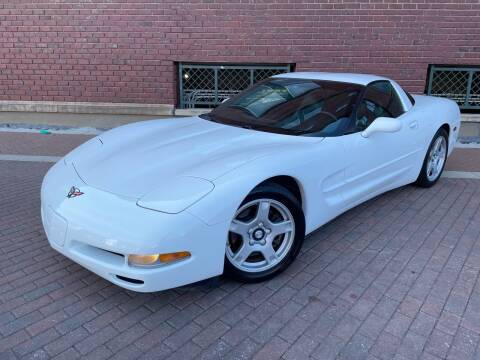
458, 83
207, 85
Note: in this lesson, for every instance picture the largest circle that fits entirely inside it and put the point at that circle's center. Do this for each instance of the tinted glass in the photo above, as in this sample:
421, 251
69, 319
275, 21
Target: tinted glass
380, 99
291, 106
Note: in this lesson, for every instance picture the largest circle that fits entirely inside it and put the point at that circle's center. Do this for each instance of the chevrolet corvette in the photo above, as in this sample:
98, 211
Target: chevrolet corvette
163, 203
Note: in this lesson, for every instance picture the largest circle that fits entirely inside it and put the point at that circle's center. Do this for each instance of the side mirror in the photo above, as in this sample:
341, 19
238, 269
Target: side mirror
382, 124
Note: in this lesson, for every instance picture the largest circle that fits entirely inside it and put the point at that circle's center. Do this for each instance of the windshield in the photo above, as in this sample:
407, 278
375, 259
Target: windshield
291, 106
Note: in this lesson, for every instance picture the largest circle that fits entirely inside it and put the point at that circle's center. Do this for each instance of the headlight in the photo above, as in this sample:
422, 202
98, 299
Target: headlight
157, 259
176, 195
143, 259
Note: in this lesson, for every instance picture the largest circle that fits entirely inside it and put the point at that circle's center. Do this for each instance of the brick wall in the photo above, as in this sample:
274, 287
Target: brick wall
124, 51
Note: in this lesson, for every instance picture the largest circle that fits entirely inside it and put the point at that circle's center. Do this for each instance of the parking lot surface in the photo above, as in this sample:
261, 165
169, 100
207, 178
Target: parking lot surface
394, 278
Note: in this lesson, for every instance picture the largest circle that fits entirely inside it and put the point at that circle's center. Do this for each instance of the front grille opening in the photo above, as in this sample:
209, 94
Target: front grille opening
132, 281
114, 253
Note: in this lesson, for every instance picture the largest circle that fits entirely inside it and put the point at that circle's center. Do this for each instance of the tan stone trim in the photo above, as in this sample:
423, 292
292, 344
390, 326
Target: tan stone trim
86, 108
190, 112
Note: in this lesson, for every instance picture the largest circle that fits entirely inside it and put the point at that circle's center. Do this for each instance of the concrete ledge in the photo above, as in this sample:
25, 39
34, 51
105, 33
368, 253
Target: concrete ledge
86, 108
471, 118
190, 112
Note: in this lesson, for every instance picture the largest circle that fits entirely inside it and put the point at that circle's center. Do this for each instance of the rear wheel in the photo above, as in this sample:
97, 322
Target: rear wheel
265, 234
434, 160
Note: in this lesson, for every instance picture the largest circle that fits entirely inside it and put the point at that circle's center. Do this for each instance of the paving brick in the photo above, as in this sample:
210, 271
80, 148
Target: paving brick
329, 348
273, 349
36, 342
103, 320
183, 335
101, 352
465, 343
386, 346
126, 338
131, 318
346, 327
301, 349
236, 314
46, 323
210, 334
99, 338
73, 322
423, 324
448, 322
180, 319
373, 326
398, 325
239, 332
217, 350
357, 348
68, 354
439, 343
412, 345
245, 350
66, 341
20, 323
154, 337
10, 341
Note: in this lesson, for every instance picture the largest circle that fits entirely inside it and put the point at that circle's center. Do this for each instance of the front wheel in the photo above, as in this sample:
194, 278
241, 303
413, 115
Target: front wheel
265, 235
434, 160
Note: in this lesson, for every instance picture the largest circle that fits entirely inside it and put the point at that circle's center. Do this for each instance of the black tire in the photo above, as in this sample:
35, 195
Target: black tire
422, 179
282, 195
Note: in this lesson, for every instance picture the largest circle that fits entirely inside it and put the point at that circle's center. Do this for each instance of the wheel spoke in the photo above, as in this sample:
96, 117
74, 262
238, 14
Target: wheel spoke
438, 143
243, 253
263, 211
240, 228
281, 227
268, 253
430, 168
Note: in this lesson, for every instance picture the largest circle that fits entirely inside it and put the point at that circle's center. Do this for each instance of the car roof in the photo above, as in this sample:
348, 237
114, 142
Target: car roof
361, 79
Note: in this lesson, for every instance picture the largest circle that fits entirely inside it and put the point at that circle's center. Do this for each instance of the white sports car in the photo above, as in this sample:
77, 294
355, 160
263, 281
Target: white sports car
163, 203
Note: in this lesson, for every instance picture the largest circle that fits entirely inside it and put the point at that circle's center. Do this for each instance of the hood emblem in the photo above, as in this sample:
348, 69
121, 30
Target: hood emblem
74, 192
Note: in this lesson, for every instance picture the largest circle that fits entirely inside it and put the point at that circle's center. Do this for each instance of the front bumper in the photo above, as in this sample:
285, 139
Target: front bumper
98, 230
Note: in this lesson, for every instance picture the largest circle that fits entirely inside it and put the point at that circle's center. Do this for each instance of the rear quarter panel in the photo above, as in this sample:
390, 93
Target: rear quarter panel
434, 112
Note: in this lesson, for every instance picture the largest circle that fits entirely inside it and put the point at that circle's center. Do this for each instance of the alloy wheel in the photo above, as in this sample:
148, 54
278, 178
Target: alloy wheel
261, 235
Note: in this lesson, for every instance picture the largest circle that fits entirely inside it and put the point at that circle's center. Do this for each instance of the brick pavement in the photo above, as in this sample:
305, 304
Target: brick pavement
396, 277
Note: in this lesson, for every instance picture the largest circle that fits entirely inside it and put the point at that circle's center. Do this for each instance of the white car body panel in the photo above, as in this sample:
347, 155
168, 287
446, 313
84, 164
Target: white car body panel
174, 185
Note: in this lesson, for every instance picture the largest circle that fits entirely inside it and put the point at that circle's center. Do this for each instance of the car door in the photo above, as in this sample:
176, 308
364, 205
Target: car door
383, 160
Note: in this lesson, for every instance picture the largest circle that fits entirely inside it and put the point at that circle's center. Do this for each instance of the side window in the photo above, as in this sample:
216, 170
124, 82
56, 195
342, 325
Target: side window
379, 99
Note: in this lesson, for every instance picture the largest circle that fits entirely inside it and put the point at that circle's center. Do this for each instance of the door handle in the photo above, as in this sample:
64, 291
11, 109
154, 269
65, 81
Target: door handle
413, 124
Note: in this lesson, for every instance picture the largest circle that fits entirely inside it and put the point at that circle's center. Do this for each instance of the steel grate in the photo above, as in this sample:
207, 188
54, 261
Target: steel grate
474, 99
206, 86
461, 85
261, 74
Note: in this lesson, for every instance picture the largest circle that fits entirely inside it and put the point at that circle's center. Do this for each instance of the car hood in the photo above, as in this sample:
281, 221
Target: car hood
134, 159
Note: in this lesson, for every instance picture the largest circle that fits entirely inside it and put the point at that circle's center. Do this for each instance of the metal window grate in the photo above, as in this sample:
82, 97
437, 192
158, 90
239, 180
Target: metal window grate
206, 86
461, 84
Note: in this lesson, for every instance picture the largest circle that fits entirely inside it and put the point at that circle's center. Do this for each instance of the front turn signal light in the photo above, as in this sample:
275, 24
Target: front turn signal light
166, 258
157, 259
